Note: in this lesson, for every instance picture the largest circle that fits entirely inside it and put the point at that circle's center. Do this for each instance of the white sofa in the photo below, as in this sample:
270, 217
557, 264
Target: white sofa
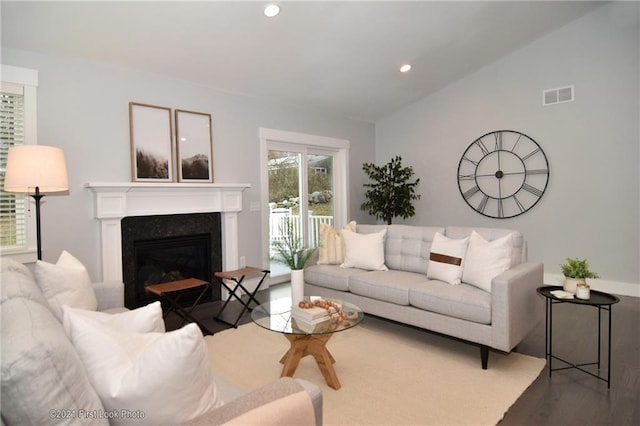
498, 319
42, 372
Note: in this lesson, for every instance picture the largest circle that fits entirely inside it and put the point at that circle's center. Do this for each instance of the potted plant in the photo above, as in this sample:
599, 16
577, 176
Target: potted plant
576, 271
291, 250
391, 193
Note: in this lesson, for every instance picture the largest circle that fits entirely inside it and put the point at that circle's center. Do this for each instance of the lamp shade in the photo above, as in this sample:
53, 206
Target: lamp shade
31, 166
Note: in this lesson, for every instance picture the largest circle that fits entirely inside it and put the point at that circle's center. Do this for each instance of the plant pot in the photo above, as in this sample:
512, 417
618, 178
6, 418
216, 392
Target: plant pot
571, 283
297, 286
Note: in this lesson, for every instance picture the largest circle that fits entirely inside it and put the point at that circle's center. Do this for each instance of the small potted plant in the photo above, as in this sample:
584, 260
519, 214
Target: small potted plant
291, 251
575, 272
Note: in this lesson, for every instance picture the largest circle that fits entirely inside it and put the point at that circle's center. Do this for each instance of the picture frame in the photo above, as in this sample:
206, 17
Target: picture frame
194, 146
151, 133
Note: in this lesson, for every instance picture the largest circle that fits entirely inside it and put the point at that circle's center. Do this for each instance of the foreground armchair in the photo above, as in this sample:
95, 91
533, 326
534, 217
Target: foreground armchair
44, 380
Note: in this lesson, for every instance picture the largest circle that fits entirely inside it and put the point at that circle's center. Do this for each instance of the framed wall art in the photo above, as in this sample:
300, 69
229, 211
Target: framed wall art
194, 146
151, 143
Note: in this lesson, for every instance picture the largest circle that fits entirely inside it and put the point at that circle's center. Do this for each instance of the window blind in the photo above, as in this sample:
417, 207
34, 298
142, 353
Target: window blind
13, 227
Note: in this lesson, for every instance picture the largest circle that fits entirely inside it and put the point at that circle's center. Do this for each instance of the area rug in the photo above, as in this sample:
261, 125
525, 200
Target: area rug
390, 374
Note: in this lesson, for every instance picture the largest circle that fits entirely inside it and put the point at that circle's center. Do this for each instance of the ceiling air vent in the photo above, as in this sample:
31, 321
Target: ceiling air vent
557, 96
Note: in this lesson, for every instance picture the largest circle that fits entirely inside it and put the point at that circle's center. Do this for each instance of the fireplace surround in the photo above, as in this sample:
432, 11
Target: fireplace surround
164, 248
115, 201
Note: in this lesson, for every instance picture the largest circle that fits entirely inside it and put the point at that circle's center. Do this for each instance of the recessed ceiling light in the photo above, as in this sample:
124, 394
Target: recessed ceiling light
405, 68
271, 10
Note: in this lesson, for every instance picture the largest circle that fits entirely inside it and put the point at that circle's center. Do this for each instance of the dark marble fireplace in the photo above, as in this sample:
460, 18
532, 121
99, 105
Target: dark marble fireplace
157, 249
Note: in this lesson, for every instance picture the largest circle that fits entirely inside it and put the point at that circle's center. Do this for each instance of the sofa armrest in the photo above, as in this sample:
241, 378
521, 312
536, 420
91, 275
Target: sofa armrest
515, 306
284, 401
110, 294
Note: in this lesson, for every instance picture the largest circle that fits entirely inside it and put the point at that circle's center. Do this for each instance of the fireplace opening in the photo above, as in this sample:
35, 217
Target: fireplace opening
171, 259
165, 248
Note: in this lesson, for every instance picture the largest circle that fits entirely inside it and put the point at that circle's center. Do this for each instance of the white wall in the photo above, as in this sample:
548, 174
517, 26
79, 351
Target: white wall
591, 206
83, 108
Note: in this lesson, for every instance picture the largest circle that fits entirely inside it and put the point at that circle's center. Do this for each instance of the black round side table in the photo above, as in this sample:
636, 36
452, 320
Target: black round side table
598, 299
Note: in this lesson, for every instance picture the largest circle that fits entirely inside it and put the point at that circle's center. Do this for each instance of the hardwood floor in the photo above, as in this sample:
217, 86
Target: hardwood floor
569, 397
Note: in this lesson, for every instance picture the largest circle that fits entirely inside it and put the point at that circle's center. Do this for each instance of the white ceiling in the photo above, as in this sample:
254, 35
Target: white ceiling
339, 56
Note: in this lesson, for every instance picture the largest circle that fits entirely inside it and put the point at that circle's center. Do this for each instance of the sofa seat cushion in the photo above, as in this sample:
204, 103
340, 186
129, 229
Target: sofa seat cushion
389, 286
330, 276
41, 370
460, 301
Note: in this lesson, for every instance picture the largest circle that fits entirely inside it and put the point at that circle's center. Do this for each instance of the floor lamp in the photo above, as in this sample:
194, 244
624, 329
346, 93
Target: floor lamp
36, 170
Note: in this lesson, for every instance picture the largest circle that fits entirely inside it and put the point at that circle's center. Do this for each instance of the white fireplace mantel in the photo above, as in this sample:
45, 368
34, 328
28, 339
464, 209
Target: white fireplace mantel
117, 200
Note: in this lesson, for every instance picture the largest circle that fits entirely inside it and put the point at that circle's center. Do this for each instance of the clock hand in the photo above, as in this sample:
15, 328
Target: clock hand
502, 174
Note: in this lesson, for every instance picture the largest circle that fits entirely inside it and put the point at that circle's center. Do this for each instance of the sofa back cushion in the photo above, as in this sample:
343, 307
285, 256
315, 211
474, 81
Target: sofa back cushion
66, 282
518, 248
407, 247
18, 281
369, 229
41, 370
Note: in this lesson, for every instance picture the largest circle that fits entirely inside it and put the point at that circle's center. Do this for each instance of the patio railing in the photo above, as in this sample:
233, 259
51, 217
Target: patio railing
278, 225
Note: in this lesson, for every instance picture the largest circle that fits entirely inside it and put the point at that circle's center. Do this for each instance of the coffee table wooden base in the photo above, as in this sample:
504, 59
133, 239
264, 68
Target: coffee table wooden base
316, 346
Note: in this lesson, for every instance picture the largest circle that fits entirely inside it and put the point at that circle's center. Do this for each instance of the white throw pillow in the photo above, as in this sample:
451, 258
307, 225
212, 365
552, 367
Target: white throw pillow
166, 376
66, 282
146, 319
364, 251
332, 248
446, 258
486, 260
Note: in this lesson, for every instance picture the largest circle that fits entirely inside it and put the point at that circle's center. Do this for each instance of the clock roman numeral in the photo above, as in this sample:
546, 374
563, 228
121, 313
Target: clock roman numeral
532, 189
475, 163
466, 177
500, 208
483, 204
482, 147
471, 192
536, 172
519, 204
516, 143
531, 154
498, 136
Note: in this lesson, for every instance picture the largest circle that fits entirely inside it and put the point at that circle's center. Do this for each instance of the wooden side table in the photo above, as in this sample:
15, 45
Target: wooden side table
598, 299
172, 292
237, 277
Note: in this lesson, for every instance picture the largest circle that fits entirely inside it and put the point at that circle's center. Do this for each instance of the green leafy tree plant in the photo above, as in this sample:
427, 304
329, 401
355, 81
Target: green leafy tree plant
577, 268
290, 249
391, 194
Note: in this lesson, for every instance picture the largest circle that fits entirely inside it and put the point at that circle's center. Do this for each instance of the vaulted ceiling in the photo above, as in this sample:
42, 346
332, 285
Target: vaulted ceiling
339, 56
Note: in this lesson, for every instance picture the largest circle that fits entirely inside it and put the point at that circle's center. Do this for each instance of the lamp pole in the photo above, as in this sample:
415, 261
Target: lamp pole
37, 196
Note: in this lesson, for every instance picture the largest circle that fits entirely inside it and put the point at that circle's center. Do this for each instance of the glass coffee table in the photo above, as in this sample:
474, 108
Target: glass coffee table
306, 339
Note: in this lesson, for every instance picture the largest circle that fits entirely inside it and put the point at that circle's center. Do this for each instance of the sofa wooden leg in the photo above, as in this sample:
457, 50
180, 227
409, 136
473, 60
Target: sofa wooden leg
484, 356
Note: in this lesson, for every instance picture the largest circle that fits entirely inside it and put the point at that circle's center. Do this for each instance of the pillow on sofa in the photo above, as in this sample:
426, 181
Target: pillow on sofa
331, 251
364, 251
485, 260
165, 375
446, 258
146, 319
66, 282
41, 370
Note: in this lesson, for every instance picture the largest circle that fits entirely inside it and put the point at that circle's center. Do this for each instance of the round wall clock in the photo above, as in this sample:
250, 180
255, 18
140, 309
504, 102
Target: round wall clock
503, 174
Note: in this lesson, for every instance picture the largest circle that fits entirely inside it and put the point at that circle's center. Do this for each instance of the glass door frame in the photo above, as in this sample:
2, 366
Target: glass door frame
272, 139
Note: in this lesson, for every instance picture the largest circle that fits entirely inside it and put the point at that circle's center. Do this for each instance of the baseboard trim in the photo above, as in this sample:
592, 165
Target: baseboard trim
614, 287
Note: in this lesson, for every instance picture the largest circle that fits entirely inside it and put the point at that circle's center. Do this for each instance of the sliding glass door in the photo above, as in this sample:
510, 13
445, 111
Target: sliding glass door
304, 189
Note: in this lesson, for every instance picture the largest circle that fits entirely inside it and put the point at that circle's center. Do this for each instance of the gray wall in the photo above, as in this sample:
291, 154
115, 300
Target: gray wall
590, 208
83, 108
